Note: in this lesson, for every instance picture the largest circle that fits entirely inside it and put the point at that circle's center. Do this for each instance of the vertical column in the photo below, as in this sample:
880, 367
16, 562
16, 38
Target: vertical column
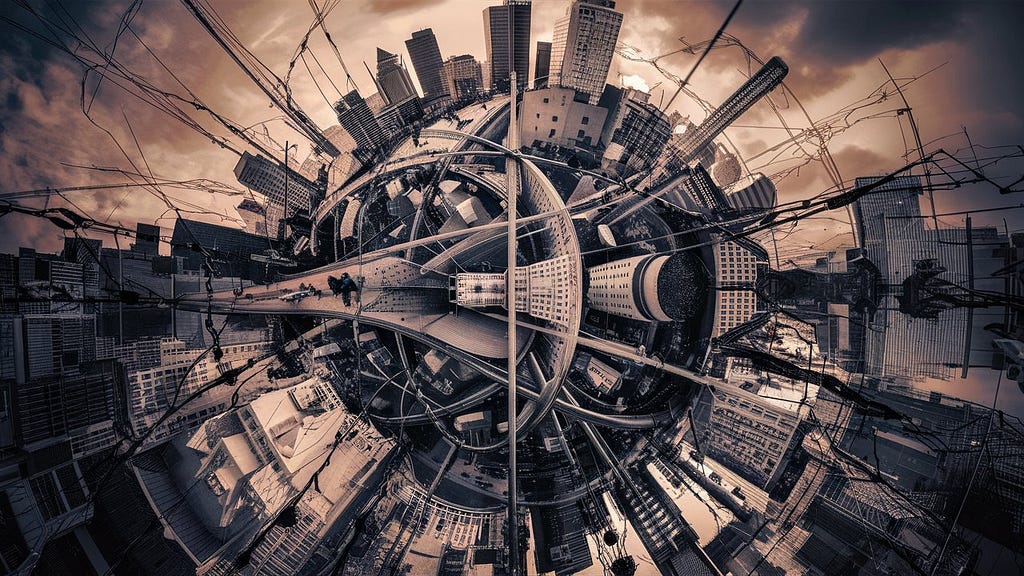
512, 171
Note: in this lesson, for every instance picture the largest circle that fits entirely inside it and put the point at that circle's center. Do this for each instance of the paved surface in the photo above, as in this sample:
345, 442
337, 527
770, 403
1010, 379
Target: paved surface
383, 279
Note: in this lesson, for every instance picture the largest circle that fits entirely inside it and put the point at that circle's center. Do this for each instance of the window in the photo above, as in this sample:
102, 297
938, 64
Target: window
554, 118
581, 134
552, 133
545, 101
585, 121
538, 114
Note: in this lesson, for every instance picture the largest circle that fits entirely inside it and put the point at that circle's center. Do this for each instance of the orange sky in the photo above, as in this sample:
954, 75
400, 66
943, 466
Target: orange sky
831, 47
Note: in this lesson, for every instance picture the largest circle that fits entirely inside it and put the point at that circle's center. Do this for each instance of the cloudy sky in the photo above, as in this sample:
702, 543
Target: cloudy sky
969, 51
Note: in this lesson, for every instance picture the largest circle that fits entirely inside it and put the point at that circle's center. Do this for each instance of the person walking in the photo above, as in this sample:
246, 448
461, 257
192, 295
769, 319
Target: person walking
347, 286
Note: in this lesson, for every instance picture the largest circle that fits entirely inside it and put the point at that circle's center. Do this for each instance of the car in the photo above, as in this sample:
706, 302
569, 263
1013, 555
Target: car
295, 296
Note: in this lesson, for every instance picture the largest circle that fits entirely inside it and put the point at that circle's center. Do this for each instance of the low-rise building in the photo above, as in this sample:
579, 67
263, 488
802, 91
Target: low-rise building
560, 117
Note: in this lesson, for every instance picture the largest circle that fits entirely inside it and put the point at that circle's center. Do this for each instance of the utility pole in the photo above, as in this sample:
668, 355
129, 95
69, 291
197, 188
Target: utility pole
512, 171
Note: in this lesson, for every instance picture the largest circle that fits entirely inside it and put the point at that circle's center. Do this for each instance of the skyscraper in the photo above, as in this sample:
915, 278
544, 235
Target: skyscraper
507, 38
234, 248
894, 238
427, 62
9, 283
762, 82
267, 177
357, 119
584, 43
392, 77
542, 65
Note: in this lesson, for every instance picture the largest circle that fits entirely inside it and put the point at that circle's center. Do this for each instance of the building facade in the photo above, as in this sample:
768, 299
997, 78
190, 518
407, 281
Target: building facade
392, 77
507, 39
655, 288
552, 116
538, 290
357, 119
744, 431
894, 238
542, 65
635, 132
583, 47
427, 62
752, 193
736, 274
463, 77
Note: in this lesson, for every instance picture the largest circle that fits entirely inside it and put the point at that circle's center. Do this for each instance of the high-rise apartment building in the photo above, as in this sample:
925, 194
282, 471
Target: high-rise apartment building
393, 78
542, 65
507, 39
583, 47
463, 76
427, 62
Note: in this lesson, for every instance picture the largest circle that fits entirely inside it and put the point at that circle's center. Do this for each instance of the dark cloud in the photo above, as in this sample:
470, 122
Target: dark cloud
824, 41
840, 33
13, 102
844, 33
